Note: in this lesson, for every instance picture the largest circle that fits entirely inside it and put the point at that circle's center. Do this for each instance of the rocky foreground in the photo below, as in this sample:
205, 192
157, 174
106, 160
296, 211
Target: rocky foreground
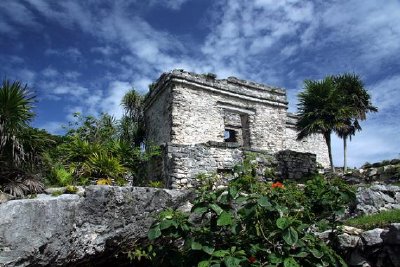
72, 229
93, 225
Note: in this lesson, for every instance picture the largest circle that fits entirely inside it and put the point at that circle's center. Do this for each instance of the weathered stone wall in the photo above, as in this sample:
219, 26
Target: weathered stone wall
158, 116
295, 165
198, 117
183, 163
313, 144
199, 106
69, 230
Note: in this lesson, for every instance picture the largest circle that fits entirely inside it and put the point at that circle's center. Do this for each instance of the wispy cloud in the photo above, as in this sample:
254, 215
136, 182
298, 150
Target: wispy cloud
15, 14
274, 42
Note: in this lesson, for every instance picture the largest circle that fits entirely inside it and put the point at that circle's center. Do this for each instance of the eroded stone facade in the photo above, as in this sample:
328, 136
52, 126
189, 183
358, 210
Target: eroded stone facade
187, 109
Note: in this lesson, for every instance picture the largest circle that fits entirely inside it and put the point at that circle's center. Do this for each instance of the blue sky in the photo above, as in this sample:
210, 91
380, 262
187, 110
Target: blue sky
83, 55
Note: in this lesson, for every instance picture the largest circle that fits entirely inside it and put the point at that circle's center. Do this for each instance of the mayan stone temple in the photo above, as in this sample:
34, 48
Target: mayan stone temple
206, 124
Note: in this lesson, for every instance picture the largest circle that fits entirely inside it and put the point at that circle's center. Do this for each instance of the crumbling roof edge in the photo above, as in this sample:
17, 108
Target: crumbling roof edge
209, 80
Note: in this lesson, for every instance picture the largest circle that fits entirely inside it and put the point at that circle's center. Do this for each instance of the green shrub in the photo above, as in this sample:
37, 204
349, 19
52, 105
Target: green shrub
102, 165
60, 176
156, 184
328, 198
246, 224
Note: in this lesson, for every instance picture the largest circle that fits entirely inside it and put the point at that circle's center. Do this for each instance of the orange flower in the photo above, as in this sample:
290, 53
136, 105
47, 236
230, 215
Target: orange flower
252, 259
278, 185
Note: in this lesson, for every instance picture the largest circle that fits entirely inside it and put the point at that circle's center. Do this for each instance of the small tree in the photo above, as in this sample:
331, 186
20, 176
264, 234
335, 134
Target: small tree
132, 123
318, 111
21, 146
357, 103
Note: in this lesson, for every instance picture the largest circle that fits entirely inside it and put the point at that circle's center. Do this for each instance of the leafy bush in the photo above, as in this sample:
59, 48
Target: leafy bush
60, 176
328, 198
249, 223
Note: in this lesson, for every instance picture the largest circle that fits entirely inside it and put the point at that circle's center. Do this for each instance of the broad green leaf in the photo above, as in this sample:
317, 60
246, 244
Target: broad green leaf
290, 236
241, 199
316, 253
165, 224
302, 254
290, 262
273, 258
200, 210
196, 245
282, 223
218, 210
264, 202
203, 264
231, 261
224, 219
208, 250
154, 232
220, 253
233, 191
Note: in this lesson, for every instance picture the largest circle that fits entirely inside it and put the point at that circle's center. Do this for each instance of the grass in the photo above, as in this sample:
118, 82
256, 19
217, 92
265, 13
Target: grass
381, 220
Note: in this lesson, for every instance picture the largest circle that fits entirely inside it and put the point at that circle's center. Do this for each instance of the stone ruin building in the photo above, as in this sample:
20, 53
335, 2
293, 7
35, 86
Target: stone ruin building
206, 124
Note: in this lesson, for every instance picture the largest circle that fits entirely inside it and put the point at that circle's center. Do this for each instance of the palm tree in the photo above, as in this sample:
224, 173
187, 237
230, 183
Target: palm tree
20, 144
357, 103
132, 123
318, 111
16, 105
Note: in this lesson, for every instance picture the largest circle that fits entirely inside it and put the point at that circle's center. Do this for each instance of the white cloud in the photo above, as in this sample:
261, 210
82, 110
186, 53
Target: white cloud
54, 127
50, 72
26, 76
73, 75
172, 4
71, 89
105, 50
111, 103
386, 94
16, 14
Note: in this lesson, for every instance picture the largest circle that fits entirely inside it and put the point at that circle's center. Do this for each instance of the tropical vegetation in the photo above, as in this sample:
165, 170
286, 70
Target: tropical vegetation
334, 104
250, 223
99, 150
21, 146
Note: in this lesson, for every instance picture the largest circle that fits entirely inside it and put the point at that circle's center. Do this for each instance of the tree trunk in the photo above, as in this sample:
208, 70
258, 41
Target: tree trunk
345, 154
327, 136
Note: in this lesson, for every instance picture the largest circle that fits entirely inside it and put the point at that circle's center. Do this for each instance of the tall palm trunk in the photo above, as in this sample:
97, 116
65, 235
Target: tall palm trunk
327, 136
345, 154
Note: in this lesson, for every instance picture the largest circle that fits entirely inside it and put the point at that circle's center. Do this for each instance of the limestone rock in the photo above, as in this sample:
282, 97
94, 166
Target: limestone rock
4, 197
372, 237
69, 229
347, 241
